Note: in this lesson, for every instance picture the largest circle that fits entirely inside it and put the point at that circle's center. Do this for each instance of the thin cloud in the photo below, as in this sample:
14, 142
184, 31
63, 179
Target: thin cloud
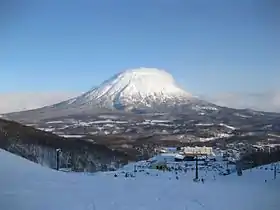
266, 101
13, 102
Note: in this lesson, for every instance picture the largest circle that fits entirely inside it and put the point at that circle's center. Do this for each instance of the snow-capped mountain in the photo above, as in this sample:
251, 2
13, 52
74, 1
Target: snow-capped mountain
134, 88
142, 90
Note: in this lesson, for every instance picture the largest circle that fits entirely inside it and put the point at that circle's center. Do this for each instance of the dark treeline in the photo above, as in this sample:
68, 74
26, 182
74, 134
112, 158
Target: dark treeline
40, 147
259, 158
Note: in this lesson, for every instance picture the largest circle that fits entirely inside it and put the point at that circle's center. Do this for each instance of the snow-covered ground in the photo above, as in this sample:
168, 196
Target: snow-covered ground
27, 186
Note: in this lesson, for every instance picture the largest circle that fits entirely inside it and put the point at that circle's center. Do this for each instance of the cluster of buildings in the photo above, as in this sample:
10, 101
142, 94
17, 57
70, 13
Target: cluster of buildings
188, 151
167, 155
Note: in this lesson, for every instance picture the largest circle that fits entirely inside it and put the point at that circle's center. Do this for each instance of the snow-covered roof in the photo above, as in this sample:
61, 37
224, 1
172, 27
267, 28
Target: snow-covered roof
167, 157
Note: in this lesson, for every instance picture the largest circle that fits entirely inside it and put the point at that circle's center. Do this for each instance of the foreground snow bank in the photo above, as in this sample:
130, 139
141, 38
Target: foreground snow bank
28, 186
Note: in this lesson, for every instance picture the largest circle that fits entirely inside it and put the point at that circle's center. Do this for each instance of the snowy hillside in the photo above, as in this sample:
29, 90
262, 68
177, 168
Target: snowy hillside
134, 88
27, 186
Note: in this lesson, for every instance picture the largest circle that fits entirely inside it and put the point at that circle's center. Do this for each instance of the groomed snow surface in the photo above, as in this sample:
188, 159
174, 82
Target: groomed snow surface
27, 186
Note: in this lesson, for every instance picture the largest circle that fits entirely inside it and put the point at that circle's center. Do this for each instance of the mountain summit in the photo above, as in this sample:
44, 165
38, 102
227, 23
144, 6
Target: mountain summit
134, 88
142, 90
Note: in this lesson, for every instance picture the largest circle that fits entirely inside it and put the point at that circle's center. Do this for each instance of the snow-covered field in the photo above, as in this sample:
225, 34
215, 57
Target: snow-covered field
27, 186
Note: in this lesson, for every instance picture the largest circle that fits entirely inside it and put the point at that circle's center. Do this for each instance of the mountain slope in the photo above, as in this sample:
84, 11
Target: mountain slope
134, 88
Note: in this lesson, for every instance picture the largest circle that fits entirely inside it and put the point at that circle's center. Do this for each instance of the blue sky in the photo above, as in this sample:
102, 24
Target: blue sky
208, 46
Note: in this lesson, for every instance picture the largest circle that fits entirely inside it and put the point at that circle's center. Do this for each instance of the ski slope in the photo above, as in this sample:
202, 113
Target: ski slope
27, 186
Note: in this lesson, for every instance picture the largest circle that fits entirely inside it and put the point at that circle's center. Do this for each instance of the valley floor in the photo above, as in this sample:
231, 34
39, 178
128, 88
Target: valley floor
27, 186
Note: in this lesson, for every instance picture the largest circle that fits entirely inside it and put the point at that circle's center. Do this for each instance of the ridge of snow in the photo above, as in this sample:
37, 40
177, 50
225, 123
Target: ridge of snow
227, 126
